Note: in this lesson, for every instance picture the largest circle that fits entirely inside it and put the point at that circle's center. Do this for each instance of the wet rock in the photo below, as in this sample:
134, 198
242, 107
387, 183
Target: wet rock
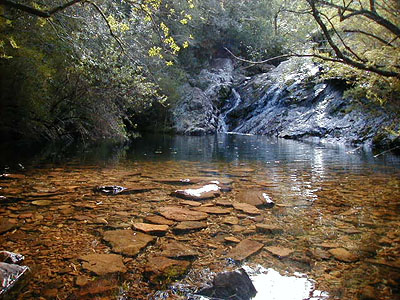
42, 202
214, 210
255, 198
10, 274
155, 219
181, 214
161, 270
368, 293
191, 203
343, 255
102, 264
246, 208
281, 252
223, 202
127, 242
98, 289
231, 239
205, 192
185, 226
6, 225
176, 249
120, 190
231, 220
82, 280
244, 249
266, 228
235, 285
151, 228
10, 257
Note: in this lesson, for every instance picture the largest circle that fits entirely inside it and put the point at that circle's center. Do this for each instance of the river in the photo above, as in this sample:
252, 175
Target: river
335, 222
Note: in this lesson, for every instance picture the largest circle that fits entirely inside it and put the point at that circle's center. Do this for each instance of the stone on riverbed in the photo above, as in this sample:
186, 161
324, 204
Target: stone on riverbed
158, 220
161, 271
266, 228
5, 225
189, 226
176, 249
213, 210
244, 249
235, 285
208, 191
281, 252
246, 208
255, 198
343, 255
151, 228
181, 214
102, 264
127, 242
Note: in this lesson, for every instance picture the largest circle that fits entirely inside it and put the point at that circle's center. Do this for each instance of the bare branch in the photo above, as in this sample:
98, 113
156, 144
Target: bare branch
38, 12
371, 35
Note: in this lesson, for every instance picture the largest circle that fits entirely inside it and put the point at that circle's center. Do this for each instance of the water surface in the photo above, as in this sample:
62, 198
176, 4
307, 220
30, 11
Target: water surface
327, 197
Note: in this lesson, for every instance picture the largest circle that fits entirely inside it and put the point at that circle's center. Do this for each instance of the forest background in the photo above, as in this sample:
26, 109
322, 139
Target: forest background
87, 70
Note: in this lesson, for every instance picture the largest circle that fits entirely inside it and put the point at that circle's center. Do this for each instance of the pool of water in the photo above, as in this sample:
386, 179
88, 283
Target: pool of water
336, 218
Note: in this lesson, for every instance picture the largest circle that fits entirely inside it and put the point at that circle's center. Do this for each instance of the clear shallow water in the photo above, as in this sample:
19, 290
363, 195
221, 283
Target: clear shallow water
327, 197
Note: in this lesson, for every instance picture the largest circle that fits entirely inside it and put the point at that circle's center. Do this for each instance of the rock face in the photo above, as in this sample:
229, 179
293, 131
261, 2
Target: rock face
288, 101
234, 285
127, 242
197, 113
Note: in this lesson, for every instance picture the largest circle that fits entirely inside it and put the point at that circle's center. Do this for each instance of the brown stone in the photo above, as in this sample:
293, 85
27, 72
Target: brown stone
223, 202
265, 228
231, 220
191, 203
244, 249
42, 202
280, 251
176, 249
182, 214
246, 208
231, 239
102, 264
127, 241
214, 210
99, 287
205, 192
161, 270
255, 198
6, 225
342, 254
158, 220
189, 226
151, 228
81, 280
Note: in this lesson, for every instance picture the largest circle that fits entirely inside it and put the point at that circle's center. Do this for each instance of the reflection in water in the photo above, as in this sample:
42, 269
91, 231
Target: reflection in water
271, 285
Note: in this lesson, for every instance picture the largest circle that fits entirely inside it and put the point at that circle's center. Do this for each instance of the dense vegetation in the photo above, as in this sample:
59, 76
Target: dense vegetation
89, 70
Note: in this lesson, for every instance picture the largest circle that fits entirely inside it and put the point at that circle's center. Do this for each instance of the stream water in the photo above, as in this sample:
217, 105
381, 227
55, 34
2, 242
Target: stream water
335, 222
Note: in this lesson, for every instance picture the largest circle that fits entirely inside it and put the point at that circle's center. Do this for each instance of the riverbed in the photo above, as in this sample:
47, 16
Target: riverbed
335, 220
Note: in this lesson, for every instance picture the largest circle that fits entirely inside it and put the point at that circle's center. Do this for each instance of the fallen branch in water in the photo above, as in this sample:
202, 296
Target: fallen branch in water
379, 154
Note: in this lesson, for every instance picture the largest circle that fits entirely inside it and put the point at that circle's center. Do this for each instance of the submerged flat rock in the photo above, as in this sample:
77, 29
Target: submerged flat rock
266, 228
280, 251
213, 210
127, 241
151, 228
161, 270
246, 208
189, 226
343, 255
255, 198
102, 264
244, 249
176, 249
6, 225
177, 213
205, 192
155, 219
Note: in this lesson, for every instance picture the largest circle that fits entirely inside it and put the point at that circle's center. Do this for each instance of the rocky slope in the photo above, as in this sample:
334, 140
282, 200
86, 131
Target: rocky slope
289, 101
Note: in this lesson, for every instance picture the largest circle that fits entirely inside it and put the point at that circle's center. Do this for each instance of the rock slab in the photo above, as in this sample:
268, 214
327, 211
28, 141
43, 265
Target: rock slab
151, 228
255, 198
127, 242
208, 191
102, 264
182, 214
161, 270
244, 249
343, 255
